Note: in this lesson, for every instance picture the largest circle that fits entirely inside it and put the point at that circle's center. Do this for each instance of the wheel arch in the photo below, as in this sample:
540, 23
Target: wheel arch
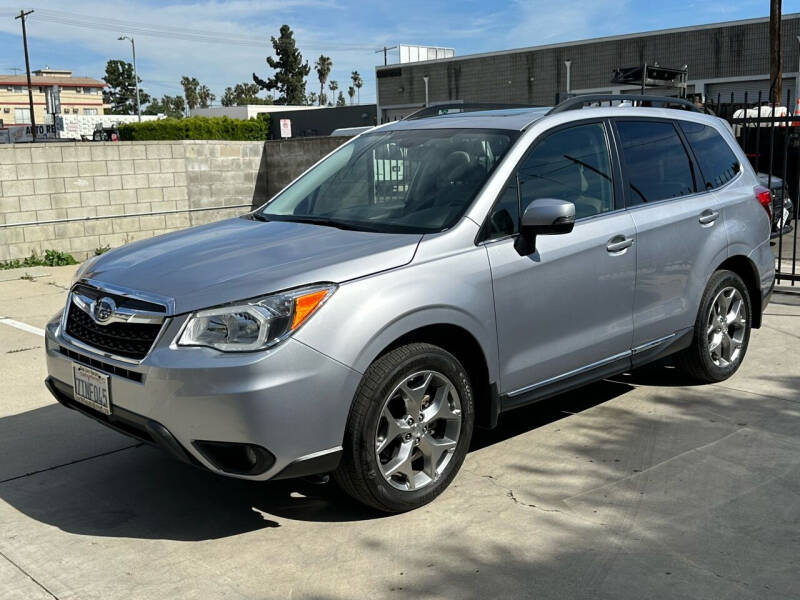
462, 344
747, 270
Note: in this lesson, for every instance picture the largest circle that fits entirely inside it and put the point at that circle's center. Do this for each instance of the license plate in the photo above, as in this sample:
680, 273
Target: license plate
91, 388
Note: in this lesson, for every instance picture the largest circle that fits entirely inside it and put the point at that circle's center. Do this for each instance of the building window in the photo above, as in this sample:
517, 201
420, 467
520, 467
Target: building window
78, 90
66, 110
90, 111
74, 111
7, 110
22, 115
18, 89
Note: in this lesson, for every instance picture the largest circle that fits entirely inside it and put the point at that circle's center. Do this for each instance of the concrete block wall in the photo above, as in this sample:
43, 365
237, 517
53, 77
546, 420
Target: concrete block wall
77, 197
285, 159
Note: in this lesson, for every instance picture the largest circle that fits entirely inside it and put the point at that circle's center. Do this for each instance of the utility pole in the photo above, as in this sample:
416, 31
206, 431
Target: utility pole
21, 16
385, 50
775, 75
135, 76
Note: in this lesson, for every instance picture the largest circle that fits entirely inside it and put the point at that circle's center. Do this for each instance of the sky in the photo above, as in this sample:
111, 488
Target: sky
223, 42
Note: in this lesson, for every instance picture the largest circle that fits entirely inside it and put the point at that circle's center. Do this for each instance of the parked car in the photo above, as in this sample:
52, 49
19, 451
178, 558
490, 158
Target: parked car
105, 134
782, 206
366, 330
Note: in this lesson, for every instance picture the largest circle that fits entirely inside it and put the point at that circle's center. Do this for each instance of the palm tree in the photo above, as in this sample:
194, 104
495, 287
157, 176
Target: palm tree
323, 67
357, 83
333, 85
351, 91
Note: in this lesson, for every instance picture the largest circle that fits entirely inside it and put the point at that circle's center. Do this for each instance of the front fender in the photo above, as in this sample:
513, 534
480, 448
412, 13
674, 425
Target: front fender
365, 316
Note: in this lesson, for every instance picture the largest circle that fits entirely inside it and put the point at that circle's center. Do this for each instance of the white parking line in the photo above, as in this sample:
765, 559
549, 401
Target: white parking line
22, 326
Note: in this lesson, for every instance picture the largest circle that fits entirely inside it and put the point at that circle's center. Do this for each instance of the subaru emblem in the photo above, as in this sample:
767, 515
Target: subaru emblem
104, 309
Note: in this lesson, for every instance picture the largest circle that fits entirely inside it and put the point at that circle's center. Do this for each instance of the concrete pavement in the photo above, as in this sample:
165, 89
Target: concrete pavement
640, 487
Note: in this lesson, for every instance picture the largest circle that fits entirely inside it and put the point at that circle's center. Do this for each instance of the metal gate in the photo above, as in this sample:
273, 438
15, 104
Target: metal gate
770, 136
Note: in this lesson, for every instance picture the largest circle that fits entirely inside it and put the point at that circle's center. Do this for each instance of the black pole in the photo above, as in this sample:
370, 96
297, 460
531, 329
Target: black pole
21, 16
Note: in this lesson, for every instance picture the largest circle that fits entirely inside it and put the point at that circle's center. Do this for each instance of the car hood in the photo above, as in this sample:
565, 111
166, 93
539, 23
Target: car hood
239, 258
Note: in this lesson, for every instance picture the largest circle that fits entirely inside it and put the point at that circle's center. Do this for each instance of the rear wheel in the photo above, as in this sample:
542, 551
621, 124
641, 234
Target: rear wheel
408, 430
721, 332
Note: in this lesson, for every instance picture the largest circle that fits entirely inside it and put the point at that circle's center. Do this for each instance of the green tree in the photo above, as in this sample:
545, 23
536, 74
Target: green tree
242, 94
323, 67
333, 86
190, 85
290, 75
340, 101
357, 83
351, 91
121, 90
323, 99
171, 106
204, 96
311, 99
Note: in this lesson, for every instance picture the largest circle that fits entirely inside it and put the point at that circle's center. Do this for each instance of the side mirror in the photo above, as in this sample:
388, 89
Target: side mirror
544, 216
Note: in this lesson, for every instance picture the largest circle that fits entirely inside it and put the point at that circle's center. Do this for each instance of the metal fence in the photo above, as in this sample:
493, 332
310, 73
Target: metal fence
770, 137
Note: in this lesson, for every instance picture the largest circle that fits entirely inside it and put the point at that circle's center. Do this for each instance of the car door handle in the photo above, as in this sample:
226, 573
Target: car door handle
619, 243
707, 217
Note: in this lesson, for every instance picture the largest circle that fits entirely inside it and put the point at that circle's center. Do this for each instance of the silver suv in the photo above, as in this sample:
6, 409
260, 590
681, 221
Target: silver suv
425, 277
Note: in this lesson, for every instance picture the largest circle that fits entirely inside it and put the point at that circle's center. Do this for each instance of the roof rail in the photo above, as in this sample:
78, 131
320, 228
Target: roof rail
434, 109
578, 102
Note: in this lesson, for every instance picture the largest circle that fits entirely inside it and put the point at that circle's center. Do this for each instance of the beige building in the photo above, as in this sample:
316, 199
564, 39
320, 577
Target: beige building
79, 95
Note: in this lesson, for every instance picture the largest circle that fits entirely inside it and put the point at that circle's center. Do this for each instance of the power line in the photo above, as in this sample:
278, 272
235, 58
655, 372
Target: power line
146, 29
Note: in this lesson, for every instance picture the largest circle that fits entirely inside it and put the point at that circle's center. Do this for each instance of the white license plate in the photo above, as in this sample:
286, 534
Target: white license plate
91, 388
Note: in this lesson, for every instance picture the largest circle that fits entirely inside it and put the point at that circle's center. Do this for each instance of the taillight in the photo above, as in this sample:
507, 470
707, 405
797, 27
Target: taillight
764, 198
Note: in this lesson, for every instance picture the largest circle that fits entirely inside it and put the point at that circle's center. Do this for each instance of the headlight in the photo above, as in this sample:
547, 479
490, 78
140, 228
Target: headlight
253, 324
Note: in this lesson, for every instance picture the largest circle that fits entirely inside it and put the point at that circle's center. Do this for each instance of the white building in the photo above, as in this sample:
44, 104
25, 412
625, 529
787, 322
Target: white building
246, 112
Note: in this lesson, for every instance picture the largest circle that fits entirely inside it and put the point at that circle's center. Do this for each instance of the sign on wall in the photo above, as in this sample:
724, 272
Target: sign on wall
286, 128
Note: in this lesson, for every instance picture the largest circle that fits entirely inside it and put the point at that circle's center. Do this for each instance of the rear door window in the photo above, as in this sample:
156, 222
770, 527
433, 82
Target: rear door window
656, 162
718, 163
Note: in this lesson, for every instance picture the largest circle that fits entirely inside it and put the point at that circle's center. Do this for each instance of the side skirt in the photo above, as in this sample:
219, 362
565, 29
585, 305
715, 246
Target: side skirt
640, 356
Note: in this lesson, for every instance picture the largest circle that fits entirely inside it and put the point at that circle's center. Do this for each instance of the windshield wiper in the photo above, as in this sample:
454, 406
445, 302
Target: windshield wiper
326, 222
258, 217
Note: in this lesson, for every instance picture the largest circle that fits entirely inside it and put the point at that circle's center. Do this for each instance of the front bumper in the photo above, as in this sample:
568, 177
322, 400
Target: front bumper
290, 400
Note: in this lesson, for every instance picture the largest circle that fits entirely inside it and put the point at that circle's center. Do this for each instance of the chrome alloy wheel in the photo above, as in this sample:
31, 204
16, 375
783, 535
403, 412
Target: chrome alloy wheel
726, 327
418, 430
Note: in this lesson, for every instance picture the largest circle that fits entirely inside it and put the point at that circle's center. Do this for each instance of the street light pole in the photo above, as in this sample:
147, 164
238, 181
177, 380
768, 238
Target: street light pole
568, 64
21, 17
135, 76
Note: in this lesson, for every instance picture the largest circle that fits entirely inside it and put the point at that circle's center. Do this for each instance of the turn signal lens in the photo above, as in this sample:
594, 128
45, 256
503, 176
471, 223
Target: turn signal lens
253, 324
305, 305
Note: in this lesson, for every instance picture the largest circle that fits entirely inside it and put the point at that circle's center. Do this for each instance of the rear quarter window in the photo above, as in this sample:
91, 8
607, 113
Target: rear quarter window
718, 163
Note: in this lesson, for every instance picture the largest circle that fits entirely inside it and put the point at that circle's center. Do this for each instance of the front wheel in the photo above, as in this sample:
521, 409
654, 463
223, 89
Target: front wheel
409, 429
721, 332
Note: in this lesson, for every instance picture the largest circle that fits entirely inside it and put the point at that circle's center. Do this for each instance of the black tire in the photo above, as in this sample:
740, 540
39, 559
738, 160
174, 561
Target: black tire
359, 474
696, 360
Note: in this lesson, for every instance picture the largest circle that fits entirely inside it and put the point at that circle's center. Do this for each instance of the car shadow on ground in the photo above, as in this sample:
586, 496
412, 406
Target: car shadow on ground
118, 487
131, 490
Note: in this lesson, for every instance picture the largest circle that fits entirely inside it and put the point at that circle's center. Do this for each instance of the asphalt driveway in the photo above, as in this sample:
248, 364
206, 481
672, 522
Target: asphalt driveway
640, 487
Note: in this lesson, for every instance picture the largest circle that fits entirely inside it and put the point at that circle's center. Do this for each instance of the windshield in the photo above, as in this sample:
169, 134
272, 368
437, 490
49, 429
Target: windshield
418, 181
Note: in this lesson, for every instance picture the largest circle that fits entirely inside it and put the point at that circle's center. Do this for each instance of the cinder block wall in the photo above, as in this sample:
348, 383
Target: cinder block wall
77, 197
286, 159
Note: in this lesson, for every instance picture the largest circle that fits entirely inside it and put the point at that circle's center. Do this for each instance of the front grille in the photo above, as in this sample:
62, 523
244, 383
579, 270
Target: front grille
129, 340
121, 301
101, 366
